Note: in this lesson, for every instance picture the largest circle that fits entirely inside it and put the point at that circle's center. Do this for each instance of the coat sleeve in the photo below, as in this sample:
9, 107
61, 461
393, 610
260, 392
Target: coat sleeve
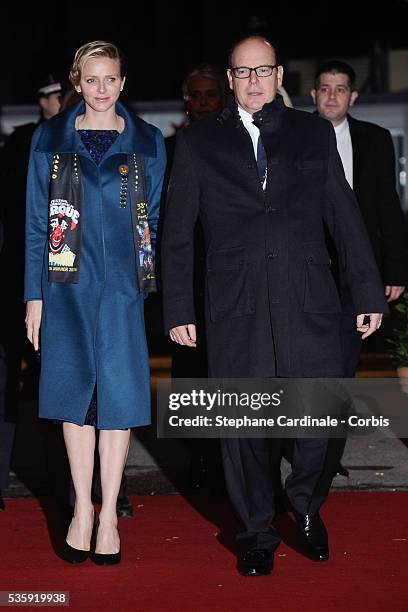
177, 261
393, 235
155, 168
38, 180
347, 228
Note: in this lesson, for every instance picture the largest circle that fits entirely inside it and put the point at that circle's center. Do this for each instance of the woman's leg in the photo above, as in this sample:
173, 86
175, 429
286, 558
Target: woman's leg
113, 450
80, 443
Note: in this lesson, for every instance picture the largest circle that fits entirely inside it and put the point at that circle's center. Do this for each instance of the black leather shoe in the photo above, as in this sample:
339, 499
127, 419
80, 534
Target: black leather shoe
2, 504
342, 471
255, 562
313, 535
124, 508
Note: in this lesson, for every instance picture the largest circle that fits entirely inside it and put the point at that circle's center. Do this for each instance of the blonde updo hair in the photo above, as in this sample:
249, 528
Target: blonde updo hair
97, 48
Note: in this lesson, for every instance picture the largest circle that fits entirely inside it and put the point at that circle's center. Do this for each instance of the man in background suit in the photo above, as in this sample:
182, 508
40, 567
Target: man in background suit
13, 172
204, 91
368, 158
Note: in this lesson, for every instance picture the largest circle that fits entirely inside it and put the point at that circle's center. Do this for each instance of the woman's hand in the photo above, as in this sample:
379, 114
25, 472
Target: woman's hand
33, 322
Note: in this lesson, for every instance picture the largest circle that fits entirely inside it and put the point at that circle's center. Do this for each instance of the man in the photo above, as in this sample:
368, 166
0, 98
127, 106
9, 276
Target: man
204, 92
368, 158
13, 171
264, 180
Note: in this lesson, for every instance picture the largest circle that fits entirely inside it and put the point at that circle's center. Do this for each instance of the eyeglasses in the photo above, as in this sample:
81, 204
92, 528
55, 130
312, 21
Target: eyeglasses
244, 72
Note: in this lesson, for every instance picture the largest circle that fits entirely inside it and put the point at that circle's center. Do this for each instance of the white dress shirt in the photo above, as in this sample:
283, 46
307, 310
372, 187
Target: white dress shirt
252, 129
345, 149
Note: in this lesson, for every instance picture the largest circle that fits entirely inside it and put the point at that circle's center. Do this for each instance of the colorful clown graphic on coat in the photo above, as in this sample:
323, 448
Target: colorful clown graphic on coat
63, 221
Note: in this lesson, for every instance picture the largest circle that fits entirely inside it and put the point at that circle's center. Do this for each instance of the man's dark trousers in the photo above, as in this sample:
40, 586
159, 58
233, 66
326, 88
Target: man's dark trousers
248, 466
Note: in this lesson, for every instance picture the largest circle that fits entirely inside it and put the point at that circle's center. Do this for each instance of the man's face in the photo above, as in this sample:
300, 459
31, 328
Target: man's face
50, 105
333, 96
253, 92
204, 97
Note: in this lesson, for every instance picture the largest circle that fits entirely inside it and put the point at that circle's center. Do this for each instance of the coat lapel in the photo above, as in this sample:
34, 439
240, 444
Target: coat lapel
60, 136
241, 140
359, 147
238, 137
230, 120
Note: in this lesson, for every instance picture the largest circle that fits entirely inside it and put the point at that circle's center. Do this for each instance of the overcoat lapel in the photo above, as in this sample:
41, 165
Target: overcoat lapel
271, 123
238, 137
360, 146
59, 134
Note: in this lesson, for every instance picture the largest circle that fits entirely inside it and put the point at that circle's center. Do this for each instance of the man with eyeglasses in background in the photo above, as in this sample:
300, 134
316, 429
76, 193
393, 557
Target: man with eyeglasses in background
264, 179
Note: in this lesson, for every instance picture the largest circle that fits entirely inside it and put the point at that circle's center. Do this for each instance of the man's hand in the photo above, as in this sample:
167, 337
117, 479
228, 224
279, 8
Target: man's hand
375, 323
184, 335
33, 322
393, 292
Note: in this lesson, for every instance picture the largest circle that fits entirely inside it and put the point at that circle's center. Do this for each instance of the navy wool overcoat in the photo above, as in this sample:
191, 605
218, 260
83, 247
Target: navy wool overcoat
92, 331
272, 307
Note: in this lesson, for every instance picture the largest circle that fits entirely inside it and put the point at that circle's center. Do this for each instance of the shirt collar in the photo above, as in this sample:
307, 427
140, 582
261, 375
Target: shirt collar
245, 116
342, 127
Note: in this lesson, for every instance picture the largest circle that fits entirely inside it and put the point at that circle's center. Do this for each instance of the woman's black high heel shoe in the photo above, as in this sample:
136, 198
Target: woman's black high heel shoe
105, 558
76, 555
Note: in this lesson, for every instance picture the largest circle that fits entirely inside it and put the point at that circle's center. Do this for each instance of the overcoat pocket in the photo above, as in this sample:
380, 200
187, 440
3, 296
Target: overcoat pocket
321, 295
229, 282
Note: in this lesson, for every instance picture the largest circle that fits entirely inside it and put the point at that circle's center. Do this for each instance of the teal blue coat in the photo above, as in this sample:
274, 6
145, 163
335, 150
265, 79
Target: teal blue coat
93, 332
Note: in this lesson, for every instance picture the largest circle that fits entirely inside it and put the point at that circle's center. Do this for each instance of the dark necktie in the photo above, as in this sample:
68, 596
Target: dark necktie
261, 160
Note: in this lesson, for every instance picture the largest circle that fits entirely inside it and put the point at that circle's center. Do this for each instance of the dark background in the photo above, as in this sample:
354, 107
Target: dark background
163, 41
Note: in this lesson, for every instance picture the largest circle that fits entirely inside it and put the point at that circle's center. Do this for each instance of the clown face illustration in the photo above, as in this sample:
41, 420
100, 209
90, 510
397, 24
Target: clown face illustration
57, 235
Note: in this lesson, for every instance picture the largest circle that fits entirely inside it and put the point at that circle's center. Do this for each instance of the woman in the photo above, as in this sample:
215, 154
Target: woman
94, 184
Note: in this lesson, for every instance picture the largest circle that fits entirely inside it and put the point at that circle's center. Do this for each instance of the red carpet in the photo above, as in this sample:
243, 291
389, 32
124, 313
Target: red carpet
174, 561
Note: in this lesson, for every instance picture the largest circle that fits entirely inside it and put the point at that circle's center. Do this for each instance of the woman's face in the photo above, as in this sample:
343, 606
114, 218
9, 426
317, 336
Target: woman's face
101, 83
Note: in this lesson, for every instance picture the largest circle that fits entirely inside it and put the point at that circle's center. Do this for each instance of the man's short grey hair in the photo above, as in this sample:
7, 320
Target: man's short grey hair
209, 72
